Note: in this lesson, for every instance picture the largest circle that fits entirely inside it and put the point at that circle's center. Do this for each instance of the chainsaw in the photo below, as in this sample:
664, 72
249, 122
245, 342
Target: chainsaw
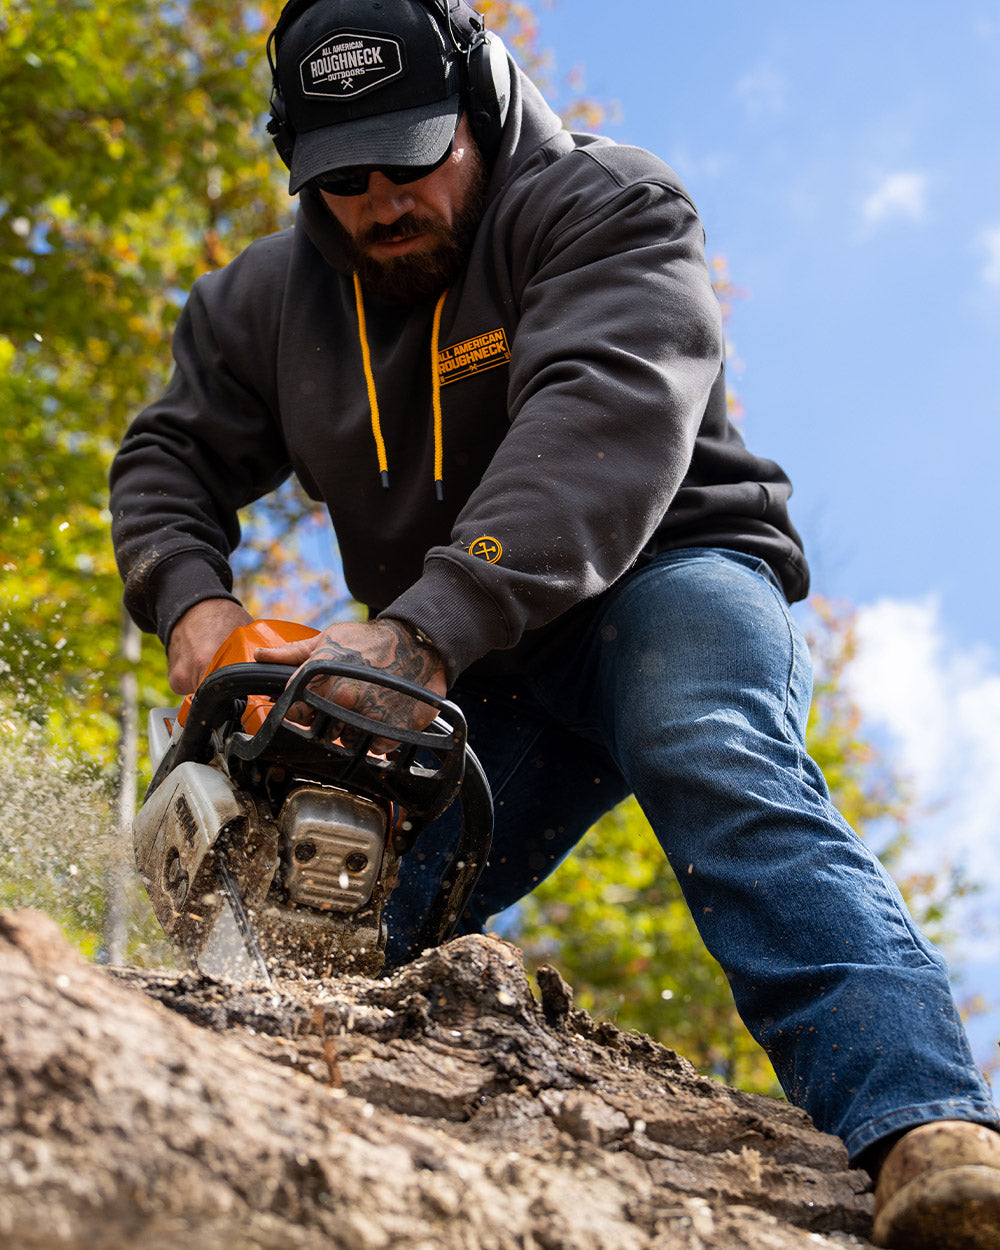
270, 837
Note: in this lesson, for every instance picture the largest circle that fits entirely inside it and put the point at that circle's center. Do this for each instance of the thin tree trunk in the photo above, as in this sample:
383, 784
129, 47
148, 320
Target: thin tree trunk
116, 921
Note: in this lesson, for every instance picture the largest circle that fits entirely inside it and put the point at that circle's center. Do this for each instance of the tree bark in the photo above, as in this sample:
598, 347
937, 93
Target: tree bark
441, 1107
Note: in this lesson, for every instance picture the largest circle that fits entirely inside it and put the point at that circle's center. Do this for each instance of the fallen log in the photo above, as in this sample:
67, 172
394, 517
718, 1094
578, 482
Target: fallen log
440, 1107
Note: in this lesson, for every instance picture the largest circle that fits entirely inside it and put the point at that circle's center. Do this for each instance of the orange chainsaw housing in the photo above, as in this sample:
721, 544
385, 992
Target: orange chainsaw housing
238, 649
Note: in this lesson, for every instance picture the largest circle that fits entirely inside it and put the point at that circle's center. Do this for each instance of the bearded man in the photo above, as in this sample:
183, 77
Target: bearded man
491, 347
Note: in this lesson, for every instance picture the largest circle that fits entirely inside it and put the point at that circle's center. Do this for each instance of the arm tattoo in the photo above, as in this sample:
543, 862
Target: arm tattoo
392, 650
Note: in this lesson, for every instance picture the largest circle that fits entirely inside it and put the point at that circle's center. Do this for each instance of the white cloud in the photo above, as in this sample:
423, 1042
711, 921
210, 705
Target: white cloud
699, 167
990, 240
762, 91
899, 195
940, 706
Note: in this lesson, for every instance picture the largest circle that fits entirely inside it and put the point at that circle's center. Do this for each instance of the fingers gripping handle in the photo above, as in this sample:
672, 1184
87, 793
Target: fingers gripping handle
329, 715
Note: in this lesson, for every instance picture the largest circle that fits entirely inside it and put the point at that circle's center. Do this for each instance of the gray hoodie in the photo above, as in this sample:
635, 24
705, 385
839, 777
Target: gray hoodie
582, 427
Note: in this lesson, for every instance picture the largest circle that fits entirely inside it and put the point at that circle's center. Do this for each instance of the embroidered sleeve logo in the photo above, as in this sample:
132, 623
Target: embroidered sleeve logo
486, 548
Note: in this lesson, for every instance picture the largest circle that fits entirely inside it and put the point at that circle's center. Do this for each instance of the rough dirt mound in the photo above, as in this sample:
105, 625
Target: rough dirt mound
442, 1107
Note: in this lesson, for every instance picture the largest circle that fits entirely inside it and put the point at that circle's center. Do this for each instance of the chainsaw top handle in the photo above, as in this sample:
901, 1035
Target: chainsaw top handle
424, 787
329, 716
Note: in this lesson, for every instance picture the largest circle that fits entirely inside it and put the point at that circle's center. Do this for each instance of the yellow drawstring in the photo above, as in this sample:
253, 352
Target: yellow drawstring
436, 400
366, 360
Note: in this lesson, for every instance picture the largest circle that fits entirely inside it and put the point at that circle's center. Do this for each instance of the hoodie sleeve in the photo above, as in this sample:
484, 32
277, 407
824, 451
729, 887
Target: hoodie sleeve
208, 447
617, 349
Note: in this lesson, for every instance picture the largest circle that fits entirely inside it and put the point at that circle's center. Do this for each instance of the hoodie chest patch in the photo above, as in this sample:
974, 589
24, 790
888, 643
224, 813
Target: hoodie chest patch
463, 360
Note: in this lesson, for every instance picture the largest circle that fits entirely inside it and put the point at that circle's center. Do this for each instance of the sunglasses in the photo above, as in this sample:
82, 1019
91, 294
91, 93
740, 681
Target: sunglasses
354, 180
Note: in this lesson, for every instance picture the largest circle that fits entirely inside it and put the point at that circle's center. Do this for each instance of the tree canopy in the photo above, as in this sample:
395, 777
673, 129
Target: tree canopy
133, 161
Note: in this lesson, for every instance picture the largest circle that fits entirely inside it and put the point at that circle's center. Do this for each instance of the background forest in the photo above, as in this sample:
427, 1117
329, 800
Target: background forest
134, 159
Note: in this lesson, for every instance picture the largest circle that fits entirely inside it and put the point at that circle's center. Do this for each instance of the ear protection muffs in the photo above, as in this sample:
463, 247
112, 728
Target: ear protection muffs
278, 126
485, 74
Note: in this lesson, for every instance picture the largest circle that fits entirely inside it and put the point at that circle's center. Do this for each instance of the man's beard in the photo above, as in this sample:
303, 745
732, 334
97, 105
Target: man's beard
421, 275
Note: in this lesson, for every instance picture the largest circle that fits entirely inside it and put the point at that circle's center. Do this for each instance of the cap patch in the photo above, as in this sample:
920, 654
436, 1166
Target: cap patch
348, 63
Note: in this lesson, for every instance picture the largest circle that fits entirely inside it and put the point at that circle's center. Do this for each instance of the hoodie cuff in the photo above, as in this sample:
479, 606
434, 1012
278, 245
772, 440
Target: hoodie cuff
454, 613
181, 582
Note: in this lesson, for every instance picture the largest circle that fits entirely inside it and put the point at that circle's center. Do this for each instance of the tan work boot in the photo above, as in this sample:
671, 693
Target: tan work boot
939, 1189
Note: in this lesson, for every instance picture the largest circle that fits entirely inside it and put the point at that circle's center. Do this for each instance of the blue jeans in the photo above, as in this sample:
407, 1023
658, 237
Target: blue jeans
689, 685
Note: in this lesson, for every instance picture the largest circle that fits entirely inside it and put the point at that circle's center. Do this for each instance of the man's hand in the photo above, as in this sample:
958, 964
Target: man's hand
386, 646
197, 636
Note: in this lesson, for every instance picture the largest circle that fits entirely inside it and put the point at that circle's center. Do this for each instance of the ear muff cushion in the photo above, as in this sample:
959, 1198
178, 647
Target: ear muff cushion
488, 92
282, 135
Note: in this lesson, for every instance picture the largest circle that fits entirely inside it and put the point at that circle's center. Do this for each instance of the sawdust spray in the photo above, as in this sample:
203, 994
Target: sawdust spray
58, 844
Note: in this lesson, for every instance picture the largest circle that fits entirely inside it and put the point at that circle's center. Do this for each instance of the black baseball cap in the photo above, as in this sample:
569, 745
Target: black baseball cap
367, 82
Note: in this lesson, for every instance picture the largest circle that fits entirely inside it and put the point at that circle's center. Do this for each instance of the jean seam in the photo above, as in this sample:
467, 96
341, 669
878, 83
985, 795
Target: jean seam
872, 1131
514, 764
764, 570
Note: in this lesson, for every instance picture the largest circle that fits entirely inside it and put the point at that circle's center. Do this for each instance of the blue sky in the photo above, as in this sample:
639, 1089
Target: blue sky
844, 159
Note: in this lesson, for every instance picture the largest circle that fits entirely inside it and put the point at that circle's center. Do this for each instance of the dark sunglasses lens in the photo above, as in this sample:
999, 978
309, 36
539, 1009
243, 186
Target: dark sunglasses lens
355, 181
402, 174
343, 181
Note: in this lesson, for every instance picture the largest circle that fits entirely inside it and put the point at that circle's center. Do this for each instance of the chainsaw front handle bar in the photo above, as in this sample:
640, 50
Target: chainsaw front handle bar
328, 714
467, 862
216, 705
425, 792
